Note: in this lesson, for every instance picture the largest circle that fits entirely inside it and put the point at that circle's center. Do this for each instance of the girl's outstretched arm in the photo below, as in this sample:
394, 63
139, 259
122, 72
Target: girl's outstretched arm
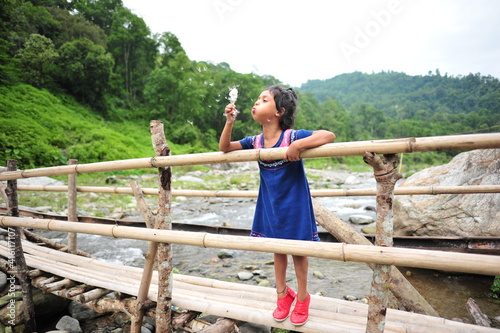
225, 143
318, 138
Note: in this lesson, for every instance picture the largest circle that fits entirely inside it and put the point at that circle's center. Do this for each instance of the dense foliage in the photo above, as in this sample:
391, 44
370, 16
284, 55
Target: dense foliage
81, 79
391, 104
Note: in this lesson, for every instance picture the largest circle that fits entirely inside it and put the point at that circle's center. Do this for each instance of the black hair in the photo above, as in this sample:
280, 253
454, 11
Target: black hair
286, 104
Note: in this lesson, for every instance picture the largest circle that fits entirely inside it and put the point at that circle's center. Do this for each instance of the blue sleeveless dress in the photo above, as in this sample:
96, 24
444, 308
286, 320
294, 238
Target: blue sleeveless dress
284, 206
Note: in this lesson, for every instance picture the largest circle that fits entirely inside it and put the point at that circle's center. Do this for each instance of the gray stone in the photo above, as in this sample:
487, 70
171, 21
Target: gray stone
370, 228
69, 324
254, 328
318, 275
264, 283
80, 312
352, 180
3, 280
149, 326
224, 254
145, 330
245, 275
361, 219
452, 214
350, 298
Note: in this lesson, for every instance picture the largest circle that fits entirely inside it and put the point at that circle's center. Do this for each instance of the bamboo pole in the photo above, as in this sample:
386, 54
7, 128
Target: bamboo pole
43, 281
55, 245
394, 146
19, 259
386, 177
72, 238
58, 285
3, 194
91, 295
142, 204
405, 190
164, 223
430, 259
109, 268
74, 291
151, 255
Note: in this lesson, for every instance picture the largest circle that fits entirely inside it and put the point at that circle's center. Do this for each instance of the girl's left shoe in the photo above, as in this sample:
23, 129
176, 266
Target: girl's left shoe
300, 313
284, 305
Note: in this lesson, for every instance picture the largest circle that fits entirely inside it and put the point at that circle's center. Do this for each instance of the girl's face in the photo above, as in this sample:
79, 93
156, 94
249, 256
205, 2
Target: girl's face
265, 107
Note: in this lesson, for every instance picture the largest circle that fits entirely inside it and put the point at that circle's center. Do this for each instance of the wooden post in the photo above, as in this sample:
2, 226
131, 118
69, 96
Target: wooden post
400, 287
72, 217
147, 272
386, 177
163, 221
22, 269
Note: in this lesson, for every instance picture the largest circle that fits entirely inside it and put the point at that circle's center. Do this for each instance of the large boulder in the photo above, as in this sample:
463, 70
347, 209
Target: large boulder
452, 214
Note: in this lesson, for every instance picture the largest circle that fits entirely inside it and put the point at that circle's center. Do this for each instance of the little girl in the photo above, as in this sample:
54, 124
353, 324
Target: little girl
284, 207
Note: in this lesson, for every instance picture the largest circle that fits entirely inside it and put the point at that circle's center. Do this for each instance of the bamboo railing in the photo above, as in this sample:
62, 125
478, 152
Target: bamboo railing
410, 190
395, 146
459, 262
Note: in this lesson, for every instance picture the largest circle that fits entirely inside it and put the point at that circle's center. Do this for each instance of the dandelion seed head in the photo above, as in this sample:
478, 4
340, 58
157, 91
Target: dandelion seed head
233, 94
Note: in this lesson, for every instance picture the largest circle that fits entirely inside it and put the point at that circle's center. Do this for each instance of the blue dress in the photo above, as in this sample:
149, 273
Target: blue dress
284, 206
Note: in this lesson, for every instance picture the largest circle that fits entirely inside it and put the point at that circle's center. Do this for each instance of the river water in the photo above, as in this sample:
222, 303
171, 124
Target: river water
446, 292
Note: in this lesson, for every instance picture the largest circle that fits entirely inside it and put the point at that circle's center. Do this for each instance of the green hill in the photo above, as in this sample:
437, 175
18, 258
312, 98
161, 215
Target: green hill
40, 129
391, 104
402, 96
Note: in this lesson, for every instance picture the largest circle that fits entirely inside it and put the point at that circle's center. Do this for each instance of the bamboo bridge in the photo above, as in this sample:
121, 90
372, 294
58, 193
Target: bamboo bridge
88, 280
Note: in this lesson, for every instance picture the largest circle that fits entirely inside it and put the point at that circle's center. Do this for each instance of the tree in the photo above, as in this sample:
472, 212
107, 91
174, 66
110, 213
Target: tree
171, 92
85, 70
71, 27
8, 69
133, 50
36, 57
20, 19
99, 12
170, 46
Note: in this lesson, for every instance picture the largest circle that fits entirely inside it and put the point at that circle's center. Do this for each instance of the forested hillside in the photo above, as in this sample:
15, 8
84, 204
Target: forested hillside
82, 79
392, 104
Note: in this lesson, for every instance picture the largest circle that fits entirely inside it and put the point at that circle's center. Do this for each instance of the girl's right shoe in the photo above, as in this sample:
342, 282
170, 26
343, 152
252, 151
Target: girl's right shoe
301, 312
282, 311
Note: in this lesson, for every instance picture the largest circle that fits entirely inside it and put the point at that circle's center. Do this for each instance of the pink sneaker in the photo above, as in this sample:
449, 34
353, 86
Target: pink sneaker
301, 312
284, 304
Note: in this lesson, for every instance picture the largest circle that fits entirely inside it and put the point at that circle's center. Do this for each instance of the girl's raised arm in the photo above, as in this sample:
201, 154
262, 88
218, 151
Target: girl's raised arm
225, 143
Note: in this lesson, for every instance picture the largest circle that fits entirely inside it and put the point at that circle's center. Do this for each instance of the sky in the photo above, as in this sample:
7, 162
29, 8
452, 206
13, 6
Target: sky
296, 41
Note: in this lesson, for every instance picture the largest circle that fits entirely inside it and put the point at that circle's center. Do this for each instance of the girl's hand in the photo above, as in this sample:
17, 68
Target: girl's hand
230, 113
292, 154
